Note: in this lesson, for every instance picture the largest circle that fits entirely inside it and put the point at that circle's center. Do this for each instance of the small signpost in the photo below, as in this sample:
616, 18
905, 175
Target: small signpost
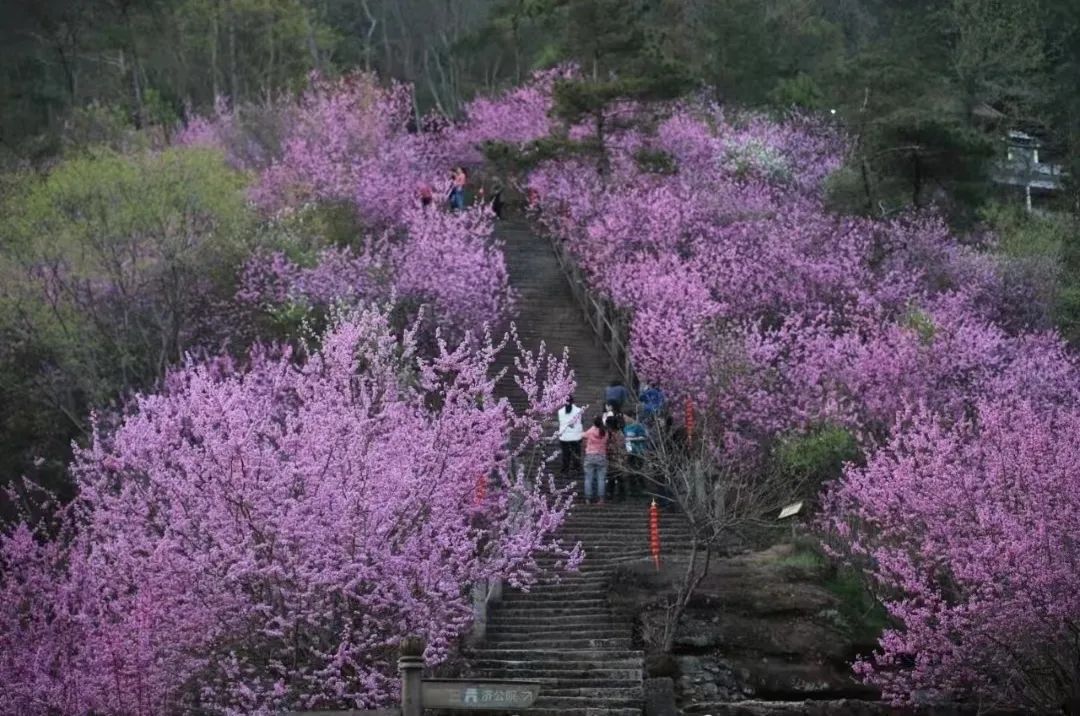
460, 695
790, 511
418, 693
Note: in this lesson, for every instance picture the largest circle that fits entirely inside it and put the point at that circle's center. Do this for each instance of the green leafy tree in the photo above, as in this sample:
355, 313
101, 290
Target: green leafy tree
622, 57
111, 268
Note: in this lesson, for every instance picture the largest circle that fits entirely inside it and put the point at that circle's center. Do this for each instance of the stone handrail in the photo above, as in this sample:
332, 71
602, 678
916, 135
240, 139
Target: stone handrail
610, 323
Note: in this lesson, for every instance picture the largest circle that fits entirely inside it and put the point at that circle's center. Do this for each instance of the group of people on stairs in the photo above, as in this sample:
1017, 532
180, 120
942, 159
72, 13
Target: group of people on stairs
455, 193
615, 444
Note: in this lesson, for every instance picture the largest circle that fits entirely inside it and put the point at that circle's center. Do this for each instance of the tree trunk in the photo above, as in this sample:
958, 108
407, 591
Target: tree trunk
234, 83
215, 33
312, 45
603, 166
691, 579
136, 73
368, 47
916, 188
268, 89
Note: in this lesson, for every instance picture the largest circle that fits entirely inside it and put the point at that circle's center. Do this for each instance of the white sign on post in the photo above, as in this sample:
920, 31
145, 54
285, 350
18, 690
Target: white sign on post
790, 511
479, 696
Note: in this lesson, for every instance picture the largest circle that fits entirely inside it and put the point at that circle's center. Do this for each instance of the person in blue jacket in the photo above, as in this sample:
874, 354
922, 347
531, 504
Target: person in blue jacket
616, 395
652, 402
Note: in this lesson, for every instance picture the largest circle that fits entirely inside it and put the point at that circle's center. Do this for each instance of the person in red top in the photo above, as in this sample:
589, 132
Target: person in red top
425, 193
596, 444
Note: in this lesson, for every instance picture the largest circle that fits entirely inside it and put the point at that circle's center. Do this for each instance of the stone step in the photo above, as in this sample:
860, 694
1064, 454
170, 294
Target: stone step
567, 596
592, 576
619, 679
589, 711
542, 630
546, 665
639, 533
500, 624
594, 692
561, 642
566, 703
615, 546
547, 610
624, 521
556, 655
591, 579
635, 536
604, 620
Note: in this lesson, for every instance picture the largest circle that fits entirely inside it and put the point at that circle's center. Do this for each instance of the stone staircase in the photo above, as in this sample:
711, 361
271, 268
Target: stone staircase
562, 632
546, 311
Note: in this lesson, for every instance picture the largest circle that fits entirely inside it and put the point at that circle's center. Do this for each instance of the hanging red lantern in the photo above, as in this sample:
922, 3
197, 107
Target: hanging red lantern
689, 420
654, 533
481, 489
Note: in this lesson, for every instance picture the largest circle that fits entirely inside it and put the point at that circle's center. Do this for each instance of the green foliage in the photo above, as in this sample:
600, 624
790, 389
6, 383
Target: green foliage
507, 160
1022, 235
765, 51
801, 91
918, 148
818, 456
110, 268
923, 325
656, 161
845, 192
803, 559
862, 613
1047, 250
90, 208
96, 125
858, 611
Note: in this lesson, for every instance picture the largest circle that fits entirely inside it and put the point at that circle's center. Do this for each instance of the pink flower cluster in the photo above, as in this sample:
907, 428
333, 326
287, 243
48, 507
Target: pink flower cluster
256, 539
447, 262
969, 529
349, 141
771, 312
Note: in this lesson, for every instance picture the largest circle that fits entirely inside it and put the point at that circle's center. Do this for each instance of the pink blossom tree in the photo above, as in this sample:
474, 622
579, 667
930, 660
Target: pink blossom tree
258, 537
969, 531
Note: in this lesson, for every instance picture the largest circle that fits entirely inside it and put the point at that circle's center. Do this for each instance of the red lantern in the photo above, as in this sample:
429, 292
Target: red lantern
689, 420
481, 489
654, 533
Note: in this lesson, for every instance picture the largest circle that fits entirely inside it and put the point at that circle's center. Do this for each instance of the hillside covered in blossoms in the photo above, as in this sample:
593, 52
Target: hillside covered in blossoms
272, 402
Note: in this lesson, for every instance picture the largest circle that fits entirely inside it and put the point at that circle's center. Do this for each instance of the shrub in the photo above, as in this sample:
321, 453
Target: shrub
818, 456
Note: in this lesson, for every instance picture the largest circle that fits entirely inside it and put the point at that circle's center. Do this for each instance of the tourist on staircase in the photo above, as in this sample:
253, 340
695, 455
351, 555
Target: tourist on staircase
616, 395
616, 483
636, 438
458, 178
596, 444
652, 403
425, 194
570, 433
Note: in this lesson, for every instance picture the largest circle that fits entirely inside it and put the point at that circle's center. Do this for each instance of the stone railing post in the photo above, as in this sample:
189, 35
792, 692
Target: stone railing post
480, 610
411, 670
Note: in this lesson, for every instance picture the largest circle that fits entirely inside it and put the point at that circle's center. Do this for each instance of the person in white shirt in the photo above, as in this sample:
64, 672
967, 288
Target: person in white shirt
570, 433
